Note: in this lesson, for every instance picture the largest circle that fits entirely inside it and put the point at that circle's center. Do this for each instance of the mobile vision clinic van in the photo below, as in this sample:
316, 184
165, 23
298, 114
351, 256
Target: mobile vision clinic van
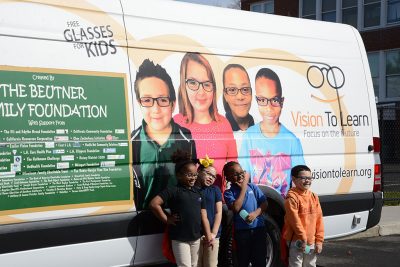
73, 162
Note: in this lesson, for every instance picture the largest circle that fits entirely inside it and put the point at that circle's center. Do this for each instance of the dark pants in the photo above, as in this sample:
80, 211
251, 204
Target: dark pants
251, 247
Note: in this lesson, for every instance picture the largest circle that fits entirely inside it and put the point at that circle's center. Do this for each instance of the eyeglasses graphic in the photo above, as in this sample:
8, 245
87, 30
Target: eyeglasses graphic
234, 90
162, 101
334, 75
275, 101
194, 85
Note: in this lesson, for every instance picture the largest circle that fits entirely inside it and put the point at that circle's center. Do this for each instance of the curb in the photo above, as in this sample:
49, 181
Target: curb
372, 232
378, 230
389, 229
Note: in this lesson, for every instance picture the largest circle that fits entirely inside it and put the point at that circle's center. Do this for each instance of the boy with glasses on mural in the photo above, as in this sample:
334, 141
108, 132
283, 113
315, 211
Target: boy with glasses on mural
159, 137
269, 149
304, 228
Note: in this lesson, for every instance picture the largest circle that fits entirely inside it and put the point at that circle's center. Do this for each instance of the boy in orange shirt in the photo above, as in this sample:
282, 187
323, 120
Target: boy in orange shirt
303, 220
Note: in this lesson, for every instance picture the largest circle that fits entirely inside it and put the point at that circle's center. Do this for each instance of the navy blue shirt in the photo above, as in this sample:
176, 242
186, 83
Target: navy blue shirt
212, 194
187, 204
253, 198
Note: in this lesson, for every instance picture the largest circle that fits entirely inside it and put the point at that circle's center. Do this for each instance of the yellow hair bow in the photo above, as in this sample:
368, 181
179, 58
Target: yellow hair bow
206, 162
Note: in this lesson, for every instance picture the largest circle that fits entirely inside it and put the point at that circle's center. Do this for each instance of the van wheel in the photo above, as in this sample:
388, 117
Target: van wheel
227, 254
273, 242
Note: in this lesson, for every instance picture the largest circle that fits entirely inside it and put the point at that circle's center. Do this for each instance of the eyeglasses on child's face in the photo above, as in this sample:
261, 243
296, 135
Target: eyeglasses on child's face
209, 174
234, 91
190, 175
238, 174
305, 178
162, 101
194, 85
263, 101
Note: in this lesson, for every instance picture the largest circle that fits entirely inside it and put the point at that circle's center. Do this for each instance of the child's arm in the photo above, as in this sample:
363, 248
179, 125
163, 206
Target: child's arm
218, 218
253, 215
206, 225
319, 230
261, 201
156, 207
238, 203
293, 219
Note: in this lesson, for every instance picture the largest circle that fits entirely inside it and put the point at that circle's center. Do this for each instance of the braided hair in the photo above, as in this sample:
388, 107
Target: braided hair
181, 159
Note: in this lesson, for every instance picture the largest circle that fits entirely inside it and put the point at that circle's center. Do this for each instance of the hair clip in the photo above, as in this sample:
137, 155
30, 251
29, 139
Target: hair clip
206, 162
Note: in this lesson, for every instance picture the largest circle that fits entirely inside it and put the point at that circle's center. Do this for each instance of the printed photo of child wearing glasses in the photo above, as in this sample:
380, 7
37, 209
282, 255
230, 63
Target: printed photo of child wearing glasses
152, 167
269, 149
197, 100
237, 98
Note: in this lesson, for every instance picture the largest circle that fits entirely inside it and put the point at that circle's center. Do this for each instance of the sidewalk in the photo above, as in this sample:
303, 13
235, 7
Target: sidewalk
388, 225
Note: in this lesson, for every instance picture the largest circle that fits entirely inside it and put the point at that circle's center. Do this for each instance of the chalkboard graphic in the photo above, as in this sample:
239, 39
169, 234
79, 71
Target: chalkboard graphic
61, 139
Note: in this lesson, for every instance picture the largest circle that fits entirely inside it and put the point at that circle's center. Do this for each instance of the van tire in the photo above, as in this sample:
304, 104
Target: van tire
227, 254
273, 242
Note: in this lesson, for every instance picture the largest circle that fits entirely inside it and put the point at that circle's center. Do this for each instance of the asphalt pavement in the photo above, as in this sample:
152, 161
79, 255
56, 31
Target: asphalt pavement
379, 251
377, 246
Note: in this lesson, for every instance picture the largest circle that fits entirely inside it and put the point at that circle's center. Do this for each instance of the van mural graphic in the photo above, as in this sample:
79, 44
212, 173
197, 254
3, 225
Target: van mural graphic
83, 27
270, 170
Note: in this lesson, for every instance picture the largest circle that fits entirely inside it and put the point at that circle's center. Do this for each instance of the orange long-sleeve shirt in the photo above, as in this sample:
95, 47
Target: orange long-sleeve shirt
303, 218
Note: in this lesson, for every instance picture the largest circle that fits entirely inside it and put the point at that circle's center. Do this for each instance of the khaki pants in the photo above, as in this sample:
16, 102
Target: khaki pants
208, 256
299, 259
186, 253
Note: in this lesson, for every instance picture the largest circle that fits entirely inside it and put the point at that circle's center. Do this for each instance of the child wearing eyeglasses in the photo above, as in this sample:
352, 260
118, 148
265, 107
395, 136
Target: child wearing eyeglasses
187, 207
304, 227
248, 203
158, 137
269, 149
209, 243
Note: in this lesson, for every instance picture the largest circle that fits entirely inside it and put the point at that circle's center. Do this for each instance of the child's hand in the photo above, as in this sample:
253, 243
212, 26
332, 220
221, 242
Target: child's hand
318, 248
172, 219
245, 181
303, 245
251, 217
210, 238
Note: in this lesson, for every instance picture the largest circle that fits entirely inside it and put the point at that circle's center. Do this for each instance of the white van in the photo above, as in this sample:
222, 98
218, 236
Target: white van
68, 113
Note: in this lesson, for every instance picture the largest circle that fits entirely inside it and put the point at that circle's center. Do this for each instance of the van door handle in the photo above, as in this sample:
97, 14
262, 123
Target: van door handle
370, 148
